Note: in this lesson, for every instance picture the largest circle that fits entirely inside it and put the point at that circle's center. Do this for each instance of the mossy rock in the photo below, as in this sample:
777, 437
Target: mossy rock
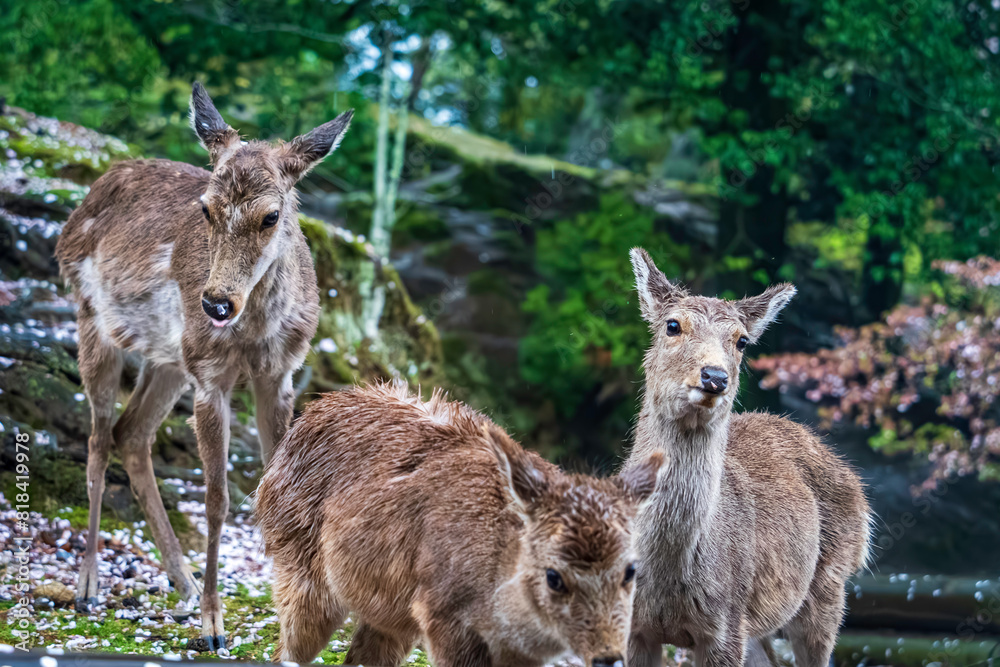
56, 481
406, 344
54, 149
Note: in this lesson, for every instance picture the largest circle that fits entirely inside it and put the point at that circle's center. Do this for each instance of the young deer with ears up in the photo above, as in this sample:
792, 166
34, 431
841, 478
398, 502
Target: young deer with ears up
207, 277
754, 525
429, 522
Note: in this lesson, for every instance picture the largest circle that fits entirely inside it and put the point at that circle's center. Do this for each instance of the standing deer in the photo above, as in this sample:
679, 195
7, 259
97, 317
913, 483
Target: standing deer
429, 522
207, 277
754, 525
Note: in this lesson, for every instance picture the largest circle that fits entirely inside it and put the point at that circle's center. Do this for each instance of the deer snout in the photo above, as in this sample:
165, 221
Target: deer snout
219, 309
608, 661
714, 380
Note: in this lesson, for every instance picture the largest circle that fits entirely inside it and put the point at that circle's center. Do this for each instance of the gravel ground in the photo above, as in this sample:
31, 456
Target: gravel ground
136, 612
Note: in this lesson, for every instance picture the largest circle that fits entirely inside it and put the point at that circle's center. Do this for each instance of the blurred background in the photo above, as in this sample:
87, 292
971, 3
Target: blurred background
504, 157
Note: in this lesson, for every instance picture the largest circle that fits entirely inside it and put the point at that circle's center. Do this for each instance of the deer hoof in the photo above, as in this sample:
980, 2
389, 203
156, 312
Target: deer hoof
213, 629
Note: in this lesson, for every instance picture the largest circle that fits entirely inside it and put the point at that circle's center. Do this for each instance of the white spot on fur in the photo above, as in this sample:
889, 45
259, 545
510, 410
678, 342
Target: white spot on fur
87, 224
92, 289
160, 262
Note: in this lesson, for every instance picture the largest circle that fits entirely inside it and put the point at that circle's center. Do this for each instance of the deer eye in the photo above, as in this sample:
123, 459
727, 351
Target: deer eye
629, 573
673, 327
742, 343
555, 581
204, 209
270, 220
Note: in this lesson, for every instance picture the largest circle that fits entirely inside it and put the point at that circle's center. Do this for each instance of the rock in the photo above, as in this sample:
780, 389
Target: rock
131, 602
59, 594
199, 644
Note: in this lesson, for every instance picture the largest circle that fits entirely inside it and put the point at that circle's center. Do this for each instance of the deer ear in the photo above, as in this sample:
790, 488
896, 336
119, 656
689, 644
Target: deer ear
306, 151
216, 136
639, 481
653, 287
526, 480
759, 311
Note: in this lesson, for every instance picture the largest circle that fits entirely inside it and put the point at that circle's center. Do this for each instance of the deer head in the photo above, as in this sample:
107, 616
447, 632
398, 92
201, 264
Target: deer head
692, 366
576, 565
250, 205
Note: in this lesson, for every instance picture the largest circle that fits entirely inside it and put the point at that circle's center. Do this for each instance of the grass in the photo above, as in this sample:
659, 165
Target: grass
243, 615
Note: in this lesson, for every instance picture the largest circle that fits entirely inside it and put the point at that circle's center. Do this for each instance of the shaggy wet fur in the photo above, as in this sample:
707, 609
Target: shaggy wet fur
430, 523
755, 525
150, 242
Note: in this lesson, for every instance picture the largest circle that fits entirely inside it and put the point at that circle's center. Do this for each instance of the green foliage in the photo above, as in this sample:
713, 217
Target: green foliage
84, 57
585, 320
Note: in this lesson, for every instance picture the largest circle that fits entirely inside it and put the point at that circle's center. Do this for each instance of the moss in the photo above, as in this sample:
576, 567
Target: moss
406, 345
79, 518
242, 613
56, 482
59, 150
419, 224
475, 149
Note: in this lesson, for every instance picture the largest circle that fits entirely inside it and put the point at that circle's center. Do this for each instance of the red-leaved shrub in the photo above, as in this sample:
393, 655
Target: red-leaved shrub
925, 380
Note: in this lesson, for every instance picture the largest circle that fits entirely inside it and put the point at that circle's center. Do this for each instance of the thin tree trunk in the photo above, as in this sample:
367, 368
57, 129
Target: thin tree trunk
380, 235
380, 213
882, 277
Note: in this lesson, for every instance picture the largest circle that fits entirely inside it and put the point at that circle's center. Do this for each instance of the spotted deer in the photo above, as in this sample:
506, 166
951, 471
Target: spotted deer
206, 276
430, 523
754, 525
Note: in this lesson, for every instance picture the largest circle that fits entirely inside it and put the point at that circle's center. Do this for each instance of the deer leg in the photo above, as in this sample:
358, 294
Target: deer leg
157, 390
727, 650
275, 398
373, 647
453, 645
308, 614
813, 631
760, 653
643, 651
211, 415
100, 369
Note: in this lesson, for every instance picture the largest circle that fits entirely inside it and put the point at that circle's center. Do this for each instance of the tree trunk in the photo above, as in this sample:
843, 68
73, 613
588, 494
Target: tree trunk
754, 213
380, 234
882, 278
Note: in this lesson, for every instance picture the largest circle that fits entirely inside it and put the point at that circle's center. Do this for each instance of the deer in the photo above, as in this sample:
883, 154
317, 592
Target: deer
207, 279
430, 523
754, 525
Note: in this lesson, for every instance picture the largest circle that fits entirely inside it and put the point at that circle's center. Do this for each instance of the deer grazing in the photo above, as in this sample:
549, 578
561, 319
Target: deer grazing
429, 522
206, 276
754, 525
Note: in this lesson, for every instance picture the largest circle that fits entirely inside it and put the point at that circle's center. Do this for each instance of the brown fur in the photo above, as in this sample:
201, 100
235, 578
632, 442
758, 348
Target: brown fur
754, 525
429, 522
141, 257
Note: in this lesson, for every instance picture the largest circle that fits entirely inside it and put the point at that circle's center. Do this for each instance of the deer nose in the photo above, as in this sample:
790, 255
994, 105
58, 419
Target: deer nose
714, 380
218, 309
607, 661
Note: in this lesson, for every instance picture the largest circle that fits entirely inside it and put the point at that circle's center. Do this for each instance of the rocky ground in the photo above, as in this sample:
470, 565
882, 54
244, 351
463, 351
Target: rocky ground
138, 614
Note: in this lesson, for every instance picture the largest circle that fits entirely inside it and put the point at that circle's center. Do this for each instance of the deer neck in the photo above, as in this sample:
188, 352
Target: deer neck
273, 296
689, 484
